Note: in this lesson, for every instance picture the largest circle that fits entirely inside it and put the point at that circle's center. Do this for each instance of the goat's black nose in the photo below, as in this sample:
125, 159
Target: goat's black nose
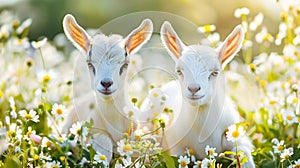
106, 83
194, 88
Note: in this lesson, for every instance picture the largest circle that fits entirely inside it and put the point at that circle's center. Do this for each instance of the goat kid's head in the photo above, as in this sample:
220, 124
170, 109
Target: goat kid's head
198, 67
107, 56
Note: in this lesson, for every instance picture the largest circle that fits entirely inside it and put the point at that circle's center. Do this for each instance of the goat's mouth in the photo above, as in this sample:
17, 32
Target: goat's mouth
195, 97
106, 92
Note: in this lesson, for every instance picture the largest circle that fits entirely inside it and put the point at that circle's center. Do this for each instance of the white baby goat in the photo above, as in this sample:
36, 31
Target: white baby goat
107, 58
206, 112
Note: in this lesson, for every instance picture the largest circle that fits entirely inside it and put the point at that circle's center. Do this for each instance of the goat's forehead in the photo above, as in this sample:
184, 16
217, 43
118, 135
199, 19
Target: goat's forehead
200, 56
107, 48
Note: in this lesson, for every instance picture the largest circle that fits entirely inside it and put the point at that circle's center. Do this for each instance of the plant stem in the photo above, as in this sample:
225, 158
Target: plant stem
42, 58
237, 156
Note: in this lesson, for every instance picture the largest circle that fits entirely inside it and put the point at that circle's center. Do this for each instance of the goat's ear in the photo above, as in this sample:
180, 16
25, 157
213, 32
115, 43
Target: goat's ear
231, 45
171, 40
139, 36
76, 34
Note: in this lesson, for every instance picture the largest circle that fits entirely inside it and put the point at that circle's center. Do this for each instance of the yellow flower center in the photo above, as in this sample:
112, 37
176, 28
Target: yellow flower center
59, 111
235, 134
295, 100
15, 23
54, 166
289, 117
46, 78
20, 41
296, 69
48, 143
280, 147
286, 157
127, 148
199, 164
36, 157
210, 152
1, 94
183, 163
155, 94
262, 83
252, 67
10, 132
296, 53
102, 157
191, 151
268, 37
297, 166
155, 114
60, 139
3, 35
298, 119
28, 116
78, 131
272, 102
133, 62
29, 133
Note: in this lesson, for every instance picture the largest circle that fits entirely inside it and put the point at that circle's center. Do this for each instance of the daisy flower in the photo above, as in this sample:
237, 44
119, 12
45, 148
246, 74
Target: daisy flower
297, 163
197, 164
44, 157
78, 130
235, 132
279, 145
45, 77
286, 154
190, 152
39, 44
53, 164
210, 151
124, 148
32, 115
100, 158
241, 12
30, 132
183, 161
15, 131
206, 28
206, 163
59, 111
289, 117
264, 36
46, 143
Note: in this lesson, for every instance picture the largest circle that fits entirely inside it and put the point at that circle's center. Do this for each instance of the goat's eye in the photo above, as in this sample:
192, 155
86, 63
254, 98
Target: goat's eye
214, 74
124, 66
179, 72
91, 67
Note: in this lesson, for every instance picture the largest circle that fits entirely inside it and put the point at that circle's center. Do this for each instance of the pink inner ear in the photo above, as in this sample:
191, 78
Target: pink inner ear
232, 45
77, 35
172, 45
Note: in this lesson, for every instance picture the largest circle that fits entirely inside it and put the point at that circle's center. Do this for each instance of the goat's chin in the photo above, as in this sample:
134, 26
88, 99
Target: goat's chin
106, 94
197, 101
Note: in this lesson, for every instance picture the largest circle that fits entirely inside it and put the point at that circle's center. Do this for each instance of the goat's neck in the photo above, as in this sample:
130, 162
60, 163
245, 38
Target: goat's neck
200, 120
112, 115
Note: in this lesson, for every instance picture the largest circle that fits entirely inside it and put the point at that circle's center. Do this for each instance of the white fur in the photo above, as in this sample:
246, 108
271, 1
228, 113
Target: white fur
107, 55
206, 113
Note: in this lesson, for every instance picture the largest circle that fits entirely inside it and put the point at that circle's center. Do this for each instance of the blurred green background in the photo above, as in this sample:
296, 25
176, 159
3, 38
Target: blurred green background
47, 15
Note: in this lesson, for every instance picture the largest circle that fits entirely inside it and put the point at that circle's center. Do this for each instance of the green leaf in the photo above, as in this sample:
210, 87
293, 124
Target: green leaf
169, 160
12, 162
268, 164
